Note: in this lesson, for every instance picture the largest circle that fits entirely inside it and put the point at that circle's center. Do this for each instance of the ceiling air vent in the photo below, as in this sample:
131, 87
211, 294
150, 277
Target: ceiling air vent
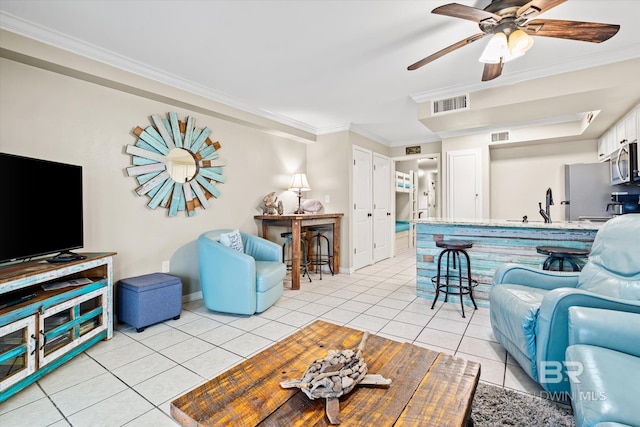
499, 137
448, 105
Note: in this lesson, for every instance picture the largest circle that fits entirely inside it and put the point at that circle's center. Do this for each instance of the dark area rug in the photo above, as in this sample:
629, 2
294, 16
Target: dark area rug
495, 406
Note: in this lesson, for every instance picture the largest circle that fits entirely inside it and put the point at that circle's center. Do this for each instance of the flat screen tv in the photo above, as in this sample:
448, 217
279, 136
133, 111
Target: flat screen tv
41, 209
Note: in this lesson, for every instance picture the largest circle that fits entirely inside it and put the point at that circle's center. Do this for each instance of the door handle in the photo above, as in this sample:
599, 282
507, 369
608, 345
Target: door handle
388, 213
33, 345
368, 214
622, 149
44, 339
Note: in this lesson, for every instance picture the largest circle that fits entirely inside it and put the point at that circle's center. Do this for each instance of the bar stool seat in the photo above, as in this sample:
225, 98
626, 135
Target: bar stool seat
453, 249
304, 262
319, 259
561, 254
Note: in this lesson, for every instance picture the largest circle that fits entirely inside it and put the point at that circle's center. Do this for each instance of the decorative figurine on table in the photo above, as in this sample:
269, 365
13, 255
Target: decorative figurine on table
271, 205
311, 205
334, 375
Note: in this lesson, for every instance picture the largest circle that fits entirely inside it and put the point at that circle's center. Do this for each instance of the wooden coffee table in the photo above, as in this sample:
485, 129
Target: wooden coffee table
428, 389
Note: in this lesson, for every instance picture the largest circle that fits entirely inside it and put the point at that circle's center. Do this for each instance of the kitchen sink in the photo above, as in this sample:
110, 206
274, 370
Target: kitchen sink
594, 218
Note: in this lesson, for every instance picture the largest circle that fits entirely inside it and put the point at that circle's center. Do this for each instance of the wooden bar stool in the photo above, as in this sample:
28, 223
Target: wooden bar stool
304, 262
453, 249
561, 254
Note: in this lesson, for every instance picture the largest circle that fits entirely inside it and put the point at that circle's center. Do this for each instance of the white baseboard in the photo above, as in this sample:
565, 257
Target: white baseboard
192, 297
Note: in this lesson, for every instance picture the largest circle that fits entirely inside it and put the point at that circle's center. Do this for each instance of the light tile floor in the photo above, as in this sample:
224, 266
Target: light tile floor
131, 379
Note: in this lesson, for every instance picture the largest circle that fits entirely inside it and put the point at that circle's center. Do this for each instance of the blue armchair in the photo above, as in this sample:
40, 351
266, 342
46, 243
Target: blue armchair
240, 283
606, 358
529, 307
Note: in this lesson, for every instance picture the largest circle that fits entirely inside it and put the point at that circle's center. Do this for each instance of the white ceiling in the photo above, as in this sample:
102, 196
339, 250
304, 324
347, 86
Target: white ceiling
321, 66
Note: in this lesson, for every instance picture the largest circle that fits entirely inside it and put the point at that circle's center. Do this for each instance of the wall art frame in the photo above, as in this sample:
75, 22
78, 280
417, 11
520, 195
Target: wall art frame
176, 164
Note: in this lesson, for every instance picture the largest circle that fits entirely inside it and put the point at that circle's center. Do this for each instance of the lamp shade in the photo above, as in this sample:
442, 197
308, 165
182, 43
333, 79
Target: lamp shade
519, 43
496, 49
502, 49
299, 183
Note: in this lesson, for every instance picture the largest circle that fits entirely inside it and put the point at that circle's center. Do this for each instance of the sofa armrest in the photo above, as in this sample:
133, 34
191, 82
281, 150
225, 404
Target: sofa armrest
516, 274
615, 330
552, 328
261, 249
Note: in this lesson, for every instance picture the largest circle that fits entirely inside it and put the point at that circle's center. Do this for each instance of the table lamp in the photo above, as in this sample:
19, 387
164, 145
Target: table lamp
299, 184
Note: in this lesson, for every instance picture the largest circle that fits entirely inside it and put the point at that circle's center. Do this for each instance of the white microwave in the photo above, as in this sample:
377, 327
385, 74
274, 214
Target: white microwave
624, 164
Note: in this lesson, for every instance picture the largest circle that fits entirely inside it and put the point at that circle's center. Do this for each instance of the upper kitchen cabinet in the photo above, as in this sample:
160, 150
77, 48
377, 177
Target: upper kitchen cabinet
626, 130
632, 125
607, 144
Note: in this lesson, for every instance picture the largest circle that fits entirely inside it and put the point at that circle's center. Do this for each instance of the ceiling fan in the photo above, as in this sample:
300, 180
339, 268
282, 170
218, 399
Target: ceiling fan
507, 22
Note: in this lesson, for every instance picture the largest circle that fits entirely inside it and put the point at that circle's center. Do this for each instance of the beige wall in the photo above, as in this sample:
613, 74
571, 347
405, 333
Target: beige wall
328, 173
58, 117
520, 177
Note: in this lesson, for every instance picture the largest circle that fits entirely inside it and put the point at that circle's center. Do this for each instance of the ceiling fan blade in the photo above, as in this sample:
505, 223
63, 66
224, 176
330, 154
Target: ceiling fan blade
573, 30
491, 71
465, 12
446, 50
536, 7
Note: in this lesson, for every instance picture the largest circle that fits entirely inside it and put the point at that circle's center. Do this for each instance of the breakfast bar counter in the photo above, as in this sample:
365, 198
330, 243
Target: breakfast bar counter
495, 242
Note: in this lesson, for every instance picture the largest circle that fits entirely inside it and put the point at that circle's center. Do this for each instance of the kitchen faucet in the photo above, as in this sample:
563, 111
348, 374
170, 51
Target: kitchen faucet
546, 213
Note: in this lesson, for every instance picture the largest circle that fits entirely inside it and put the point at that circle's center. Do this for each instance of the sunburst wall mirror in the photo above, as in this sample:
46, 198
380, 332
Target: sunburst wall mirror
176, 164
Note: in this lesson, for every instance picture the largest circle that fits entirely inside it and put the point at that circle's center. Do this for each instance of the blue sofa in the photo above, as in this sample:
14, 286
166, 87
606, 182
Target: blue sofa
604, 351
240, 283
529, 308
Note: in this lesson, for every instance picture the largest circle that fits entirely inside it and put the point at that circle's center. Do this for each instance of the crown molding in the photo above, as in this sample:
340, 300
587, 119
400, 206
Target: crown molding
362, 132
333, 129
427, 140
568, 118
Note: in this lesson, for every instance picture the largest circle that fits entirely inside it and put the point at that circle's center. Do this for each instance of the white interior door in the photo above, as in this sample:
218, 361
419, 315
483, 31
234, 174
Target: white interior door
381, 207
464, 184
362, 208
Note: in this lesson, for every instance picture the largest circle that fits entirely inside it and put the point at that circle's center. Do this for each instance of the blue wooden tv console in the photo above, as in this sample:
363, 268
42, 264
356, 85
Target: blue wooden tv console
42, 329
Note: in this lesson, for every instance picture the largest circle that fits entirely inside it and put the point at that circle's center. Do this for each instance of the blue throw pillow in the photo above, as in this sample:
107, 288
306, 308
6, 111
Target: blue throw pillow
232, 240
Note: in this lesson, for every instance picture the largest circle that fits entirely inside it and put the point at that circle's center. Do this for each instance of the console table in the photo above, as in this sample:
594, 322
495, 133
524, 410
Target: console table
296, 222
43, 329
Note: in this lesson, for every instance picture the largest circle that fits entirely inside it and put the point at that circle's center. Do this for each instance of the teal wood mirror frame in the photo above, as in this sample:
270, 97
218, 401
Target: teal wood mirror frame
176, 164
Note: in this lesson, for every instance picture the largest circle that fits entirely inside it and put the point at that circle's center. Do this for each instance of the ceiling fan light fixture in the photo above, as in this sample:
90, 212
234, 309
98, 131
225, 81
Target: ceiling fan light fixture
496, 49
519, 43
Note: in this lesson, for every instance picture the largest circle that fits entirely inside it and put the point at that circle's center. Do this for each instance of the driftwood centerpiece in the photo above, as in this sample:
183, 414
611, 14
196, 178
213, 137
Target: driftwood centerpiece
335, 375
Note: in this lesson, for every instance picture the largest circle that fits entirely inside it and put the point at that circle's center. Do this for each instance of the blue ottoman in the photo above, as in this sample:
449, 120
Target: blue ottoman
149, 299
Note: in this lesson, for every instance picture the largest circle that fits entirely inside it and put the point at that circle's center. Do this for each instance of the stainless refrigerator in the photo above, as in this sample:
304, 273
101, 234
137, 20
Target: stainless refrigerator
587, 191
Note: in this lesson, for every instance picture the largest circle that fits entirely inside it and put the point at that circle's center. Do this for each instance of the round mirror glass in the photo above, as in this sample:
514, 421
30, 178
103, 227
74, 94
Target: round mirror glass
181, 165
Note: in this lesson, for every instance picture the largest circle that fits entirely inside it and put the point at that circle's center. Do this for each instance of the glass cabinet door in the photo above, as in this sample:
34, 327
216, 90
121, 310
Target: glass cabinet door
71, 323
17, 351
